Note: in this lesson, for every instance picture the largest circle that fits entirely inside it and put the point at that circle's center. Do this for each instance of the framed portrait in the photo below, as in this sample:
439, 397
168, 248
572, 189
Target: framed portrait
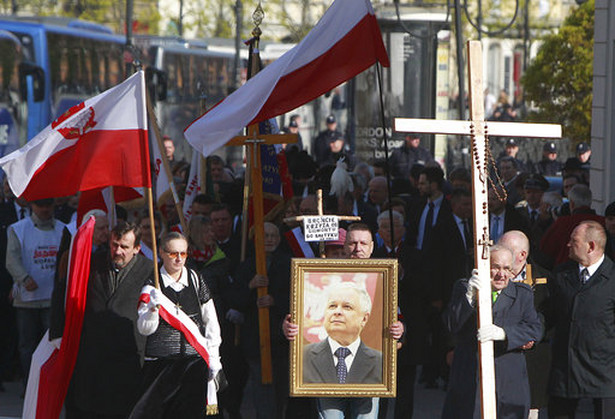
344, 308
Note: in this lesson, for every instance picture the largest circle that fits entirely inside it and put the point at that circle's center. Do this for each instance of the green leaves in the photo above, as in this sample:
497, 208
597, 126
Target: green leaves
558, 82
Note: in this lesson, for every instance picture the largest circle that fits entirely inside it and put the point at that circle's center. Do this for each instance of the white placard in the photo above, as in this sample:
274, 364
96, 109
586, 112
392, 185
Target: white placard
321, 228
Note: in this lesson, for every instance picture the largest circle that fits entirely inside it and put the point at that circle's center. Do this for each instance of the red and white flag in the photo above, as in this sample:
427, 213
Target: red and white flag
193, 185
345, 42
51, 369
298, 245
100, 142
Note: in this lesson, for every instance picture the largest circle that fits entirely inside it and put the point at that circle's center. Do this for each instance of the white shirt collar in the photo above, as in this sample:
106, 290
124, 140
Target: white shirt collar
169, 281
354, 346
591, 269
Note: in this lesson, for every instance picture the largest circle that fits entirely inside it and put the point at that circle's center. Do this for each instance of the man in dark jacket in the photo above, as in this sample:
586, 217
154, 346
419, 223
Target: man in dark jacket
582, 292
515, 323
403, 158
107, 374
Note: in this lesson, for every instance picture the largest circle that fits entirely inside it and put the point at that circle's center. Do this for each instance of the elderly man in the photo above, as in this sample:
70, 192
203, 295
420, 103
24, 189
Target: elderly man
346, 314
268, 401
538, 359
359, 245
515, 323
582, 292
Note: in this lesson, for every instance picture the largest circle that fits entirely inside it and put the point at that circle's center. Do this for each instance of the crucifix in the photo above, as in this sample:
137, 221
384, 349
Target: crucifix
254, 183
321, 214
478, 129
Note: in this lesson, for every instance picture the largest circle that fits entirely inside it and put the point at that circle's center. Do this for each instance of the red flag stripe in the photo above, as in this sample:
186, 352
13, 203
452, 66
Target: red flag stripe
108, 157
341, 61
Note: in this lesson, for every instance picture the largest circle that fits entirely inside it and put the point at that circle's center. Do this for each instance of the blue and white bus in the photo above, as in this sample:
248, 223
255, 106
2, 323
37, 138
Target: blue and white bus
13, 94
77, 59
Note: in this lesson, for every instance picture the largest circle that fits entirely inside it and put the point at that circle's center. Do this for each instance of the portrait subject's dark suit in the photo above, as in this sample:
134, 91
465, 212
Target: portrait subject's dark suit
318, 366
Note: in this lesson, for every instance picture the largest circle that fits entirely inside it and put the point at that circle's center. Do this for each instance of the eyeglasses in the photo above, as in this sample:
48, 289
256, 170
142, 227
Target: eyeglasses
174, 255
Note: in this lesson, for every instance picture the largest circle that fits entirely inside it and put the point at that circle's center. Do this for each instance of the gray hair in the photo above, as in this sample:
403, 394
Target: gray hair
500, 248
365, 301
384, 216
580, 195
95, 213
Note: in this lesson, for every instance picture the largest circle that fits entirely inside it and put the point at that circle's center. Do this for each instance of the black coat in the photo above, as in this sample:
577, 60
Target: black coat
514, 312
108, 369
413, 305
584, 339
278, 273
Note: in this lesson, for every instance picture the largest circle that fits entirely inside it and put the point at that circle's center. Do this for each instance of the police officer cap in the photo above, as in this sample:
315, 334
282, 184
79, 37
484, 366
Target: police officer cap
537, 182
293, 124
511, 143
582, 148
550, 147
330, 119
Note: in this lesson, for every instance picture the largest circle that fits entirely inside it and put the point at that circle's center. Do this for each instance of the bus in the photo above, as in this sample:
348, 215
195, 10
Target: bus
13, 110
77, 59
184, 77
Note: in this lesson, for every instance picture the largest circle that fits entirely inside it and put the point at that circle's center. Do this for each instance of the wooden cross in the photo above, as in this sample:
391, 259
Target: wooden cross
478, 128
321, 213
254, 181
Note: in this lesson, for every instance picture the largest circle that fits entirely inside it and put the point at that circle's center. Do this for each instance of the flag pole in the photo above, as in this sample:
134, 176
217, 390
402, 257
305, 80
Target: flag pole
165, 163
150, 207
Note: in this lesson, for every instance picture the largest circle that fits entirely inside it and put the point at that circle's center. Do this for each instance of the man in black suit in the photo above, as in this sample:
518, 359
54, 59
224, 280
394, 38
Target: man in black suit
502, 216
346, 314
582, 292
105, 382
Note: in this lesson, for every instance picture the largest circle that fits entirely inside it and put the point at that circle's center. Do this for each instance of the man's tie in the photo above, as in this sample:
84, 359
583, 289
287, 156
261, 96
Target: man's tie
494, 296
342, 371
533, 216
428, 224
467, 235
584, 275
22, 213
495, 229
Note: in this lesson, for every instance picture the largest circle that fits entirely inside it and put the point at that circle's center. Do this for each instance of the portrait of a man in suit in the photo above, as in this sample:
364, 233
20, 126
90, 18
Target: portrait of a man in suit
342, 358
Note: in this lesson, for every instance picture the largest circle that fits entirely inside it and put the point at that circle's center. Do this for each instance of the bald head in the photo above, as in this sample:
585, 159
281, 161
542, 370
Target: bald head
518, 243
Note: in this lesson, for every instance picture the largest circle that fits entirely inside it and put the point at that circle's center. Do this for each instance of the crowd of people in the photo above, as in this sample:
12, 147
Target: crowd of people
554, 333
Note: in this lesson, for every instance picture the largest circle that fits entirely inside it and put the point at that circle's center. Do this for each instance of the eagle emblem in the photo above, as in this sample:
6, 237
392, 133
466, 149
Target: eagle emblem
82, 123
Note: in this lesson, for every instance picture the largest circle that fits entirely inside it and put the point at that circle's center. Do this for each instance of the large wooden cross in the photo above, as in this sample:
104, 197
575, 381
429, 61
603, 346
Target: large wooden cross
254, 181
478, 129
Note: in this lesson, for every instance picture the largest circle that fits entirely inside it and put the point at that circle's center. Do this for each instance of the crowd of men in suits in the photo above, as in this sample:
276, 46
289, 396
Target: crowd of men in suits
421, 217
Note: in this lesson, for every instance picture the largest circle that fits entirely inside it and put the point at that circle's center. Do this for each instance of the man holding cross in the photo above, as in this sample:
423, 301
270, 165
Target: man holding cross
515, 323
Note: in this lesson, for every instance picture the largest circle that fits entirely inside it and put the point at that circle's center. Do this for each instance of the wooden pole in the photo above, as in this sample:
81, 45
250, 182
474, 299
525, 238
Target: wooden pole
261, 258
150, 207
481, 227
165, 164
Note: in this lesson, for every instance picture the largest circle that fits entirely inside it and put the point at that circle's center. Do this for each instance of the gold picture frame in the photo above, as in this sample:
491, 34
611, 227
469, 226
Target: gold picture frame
311, 279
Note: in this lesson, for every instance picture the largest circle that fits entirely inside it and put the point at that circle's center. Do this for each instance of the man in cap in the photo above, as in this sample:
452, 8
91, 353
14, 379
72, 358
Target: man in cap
293, 128
511, 149
403, 158
549, 165
32, 247
584, 153
320, 147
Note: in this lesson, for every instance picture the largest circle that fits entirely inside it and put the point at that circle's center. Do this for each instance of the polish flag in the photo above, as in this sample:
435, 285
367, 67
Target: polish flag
98, 143
345, 42
51, 369
193, 185
298, 245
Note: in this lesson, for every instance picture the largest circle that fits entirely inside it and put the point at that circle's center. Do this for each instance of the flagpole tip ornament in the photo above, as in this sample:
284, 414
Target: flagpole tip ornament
257, 18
